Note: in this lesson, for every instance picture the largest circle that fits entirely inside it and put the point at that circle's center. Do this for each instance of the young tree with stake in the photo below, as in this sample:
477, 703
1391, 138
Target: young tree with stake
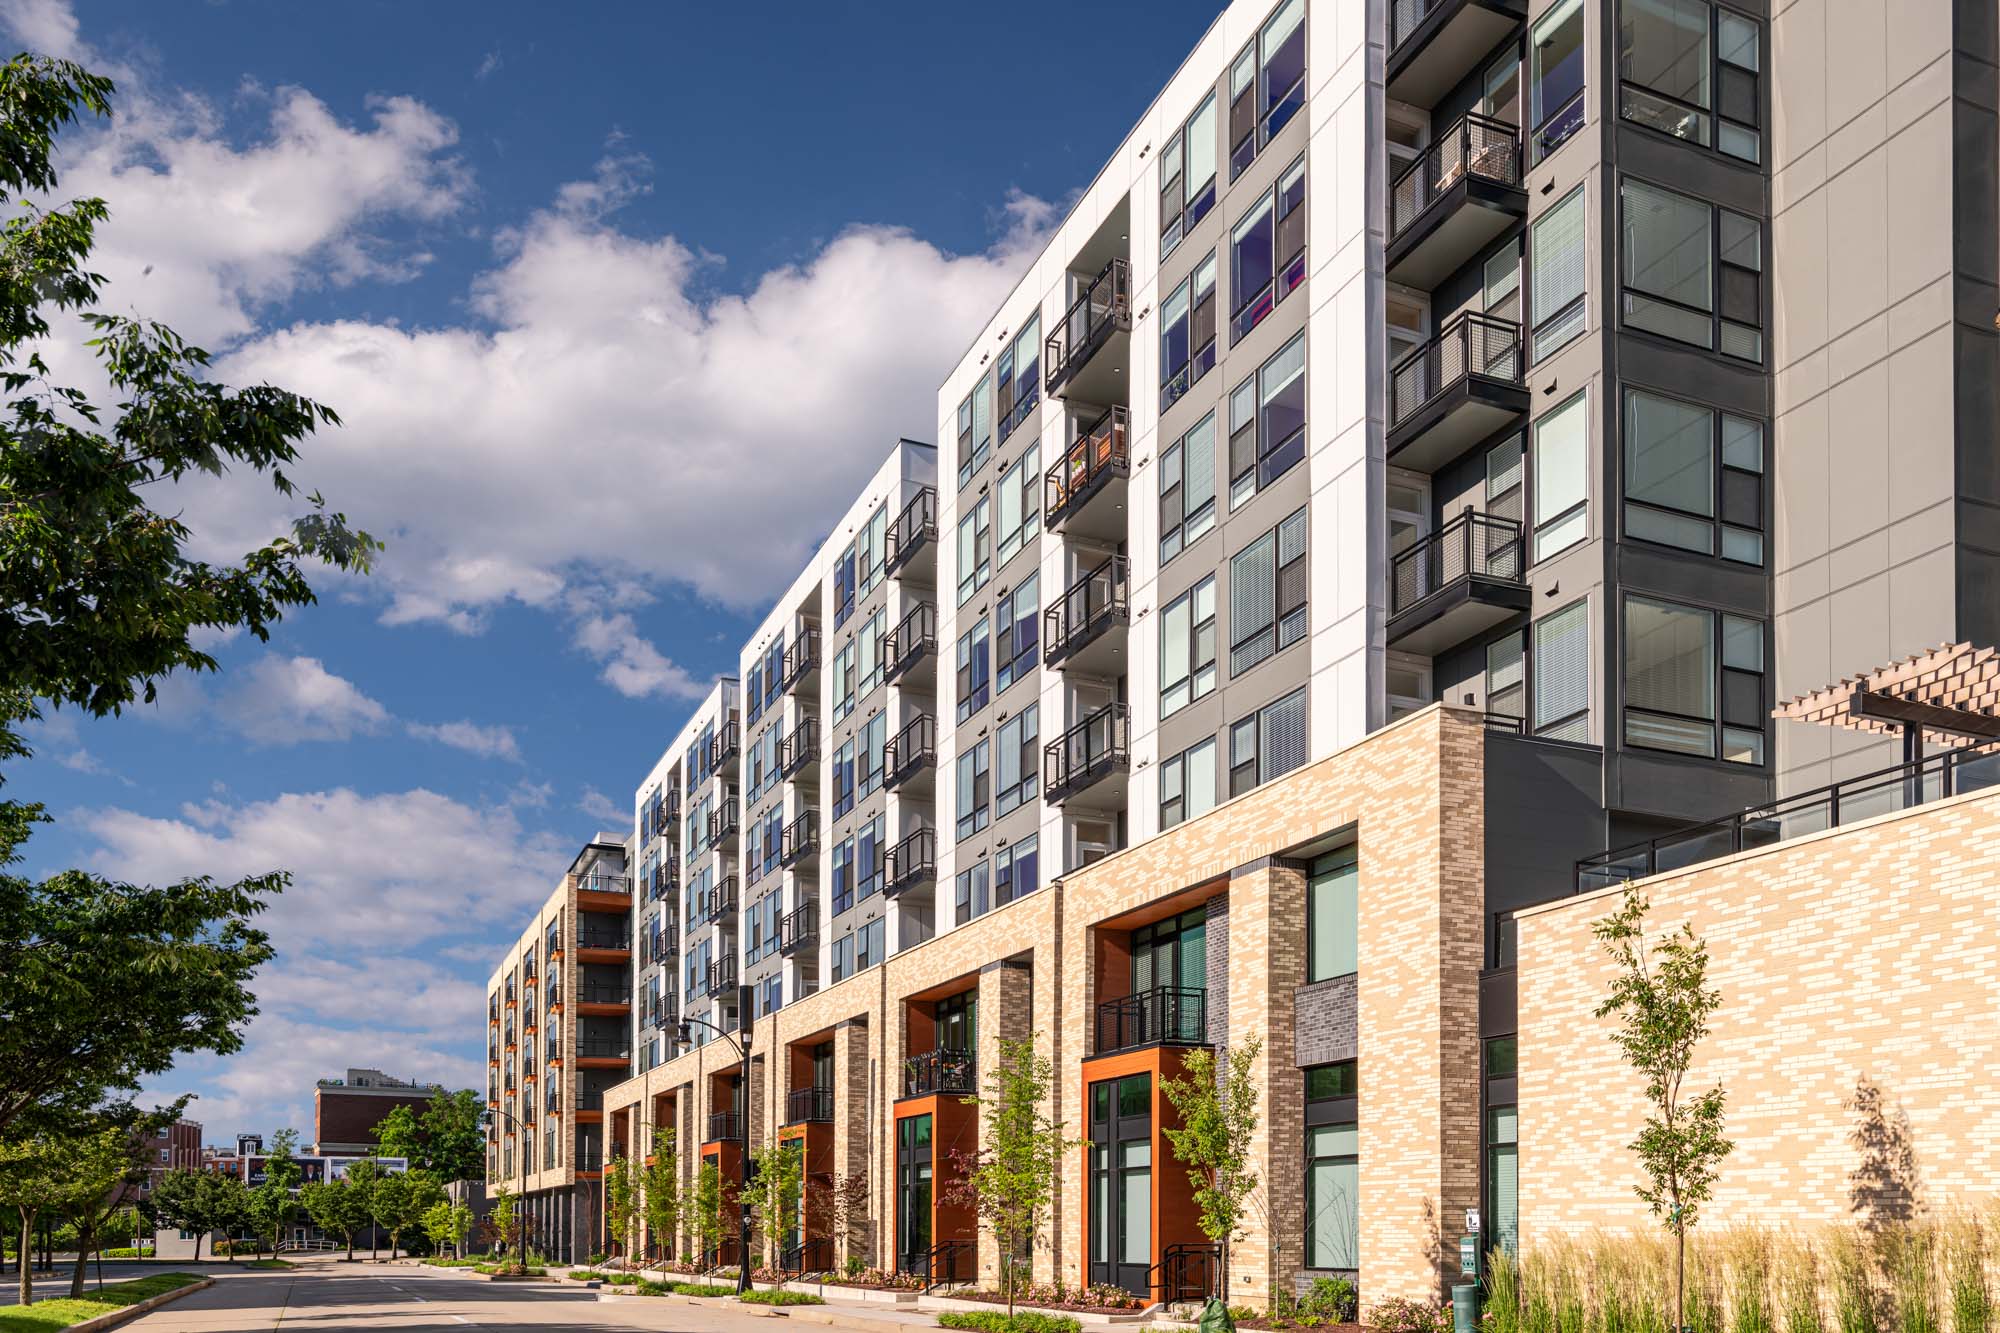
660, 1189
1217, 1109
775, 1190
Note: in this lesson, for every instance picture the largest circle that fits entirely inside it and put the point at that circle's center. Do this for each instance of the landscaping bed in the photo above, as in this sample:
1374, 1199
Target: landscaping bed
62, 1312
997, 1321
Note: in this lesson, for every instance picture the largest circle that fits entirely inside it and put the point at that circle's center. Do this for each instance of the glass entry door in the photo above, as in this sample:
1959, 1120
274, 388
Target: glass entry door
1121, 1182
913, 1192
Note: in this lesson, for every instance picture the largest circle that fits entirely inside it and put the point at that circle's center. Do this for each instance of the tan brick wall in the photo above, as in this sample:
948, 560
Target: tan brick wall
1868, 954
1266, 968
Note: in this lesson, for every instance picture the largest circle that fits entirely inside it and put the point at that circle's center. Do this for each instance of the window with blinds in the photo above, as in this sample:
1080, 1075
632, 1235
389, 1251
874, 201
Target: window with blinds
1507, 676
1269, 743
1558, 274
1561, 477
1187, 647
1669, 677
1267, 594
1187, 489
1559, 667
1019, 767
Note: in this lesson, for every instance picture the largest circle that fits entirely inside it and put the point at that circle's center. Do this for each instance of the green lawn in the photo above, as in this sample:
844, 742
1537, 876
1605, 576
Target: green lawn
61, 1312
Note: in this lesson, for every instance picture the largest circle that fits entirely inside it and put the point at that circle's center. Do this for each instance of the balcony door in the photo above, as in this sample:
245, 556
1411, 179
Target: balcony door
913, 1193
1121, 1182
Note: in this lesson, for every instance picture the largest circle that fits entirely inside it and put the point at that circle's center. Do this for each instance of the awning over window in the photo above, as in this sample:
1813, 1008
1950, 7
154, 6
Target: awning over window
1952, 693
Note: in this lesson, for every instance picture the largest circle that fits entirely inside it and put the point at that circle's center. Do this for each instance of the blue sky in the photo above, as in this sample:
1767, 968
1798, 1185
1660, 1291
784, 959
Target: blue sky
550, 273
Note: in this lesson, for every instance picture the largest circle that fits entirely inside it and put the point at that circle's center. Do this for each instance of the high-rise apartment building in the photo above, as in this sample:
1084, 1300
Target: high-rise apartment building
1606, 371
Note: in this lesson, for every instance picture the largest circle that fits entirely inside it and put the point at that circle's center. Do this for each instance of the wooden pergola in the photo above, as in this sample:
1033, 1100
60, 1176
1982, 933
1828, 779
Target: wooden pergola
1950, 695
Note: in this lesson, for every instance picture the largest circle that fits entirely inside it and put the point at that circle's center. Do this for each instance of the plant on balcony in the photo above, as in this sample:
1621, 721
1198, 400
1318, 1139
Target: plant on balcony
660, 1191
1663, 1002
1010, 1180
842, 1200
1216, 1103
621, 1203
776, 1179
709, 1203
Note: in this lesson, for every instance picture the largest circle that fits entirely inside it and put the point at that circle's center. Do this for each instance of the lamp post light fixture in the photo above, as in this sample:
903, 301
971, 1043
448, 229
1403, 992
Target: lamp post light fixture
740, 1040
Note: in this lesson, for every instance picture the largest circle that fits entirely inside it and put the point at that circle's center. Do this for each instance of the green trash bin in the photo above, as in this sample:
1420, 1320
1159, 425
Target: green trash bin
1465, 1308
1215, 1317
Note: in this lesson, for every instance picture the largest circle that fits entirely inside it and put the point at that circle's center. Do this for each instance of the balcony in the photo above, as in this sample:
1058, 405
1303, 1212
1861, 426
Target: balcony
1434, 44
613, 884
800, 667
722, 826
724, 1127
1085, 631
1094, 757
602, 1048
603, 938
1162, 1016
909, 653
721, 978
940, 1071
720, 904
909, 760
665, 881
799, 930
809, 1106
911, 863
797, 751
726, 747
1084, 356
800, 839
1455, 391
604, 993
913, 533
1461, 193
1457, 583
1083, 494
663, 818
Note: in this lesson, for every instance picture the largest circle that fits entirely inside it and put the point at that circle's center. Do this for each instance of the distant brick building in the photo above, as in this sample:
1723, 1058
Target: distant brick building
346, 1111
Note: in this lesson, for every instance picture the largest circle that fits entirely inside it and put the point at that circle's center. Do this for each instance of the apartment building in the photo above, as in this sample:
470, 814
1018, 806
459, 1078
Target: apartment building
559, 1013
347, 1110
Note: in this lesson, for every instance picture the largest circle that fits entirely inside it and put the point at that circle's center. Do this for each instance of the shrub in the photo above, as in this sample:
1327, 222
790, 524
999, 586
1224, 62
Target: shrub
780, 1298
702, 1289
648, 1287
1330, 1300
622, 1279
1025, 1321
585, 1275
1401, 1316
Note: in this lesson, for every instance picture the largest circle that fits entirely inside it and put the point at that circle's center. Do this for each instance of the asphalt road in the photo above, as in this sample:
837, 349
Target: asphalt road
328, 1294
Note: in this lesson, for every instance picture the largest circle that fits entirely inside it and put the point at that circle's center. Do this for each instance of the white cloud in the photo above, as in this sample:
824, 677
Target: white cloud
486, 742
489, 65
283, 700
602, 808
632, 665
47, 27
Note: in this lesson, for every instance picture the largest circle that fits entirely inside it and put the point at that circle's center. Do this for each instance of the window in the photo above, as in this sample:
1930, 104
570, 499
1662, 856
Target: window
771, 994
1267, 85
1507, 676
871, 547
1681, 61
971, 893
1187, 647
1020, 502
1267, 595
1187, 784
1333, 916
871, 743
843, 957
1267, 258
1268, 744
1020, 372
843, 875
843, 681
754, 695
1679, 483
1187, 177
1187, 489
1500, 282
1675, 678
1555, 76
1503, 1178
843, 587
868, 945
1558, 274
1267, 422
975, 549
1560, 667
843, 778
869, 850
975, 783
1692, 272
1560, 469
868, 641
1015, 870
1187, 333
1333, 1168
975, 429
1020, 767
1018, 635
975, 682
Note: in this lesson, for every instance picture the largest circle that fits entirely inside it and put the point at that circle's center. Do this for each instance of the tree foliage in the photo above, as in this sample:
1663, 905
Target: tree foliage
201, 1202
660, 1192
337, 1207
1216, 1105
399, 1203
444, 1140
776, 1189
66, 1175
621, 1203
709, 1202
1663, 1002
447, 1223
272, 1204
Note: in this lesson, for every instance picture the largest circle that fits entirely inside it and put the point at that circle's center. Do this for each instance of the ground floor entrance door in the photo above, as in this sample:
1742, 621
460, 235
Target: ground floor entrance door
913, 1193
1121, 1182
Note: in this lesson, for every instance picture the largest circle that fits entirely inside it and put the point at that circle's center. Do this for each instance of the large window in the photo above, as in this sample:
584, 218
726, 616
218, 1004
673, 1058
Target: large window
1187, 647
843, 778
1267, 422
1268, 744
1017, 634
1555, 76
1020, 502
1267, 84
1172, 953
1187, 783
1558, 276
1561, 475
1267, 259
843, 681
868, 643
974, 788
1020, 766
842, 878
1333, 1168
1016, 870
1693, 477
1686, 670
1267, 595
1020, 373
971, 892
871, 741
975, 429
1559, 663
1187, 333
870, 849
1690, 70
975, 549
843, 587
1187, 489
869, 548
1507, 676
975, 680
1692, 272
1187, 176
1333, 916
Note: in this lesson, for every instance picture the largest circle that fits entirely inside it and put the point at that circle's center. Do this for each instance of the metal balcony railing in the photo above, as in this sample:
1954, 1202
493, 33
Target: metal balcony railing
726, 745
941, 1070
720, 904
1471, 346
800, 839
1164, 1015
604, 884
914, 637
724, 1126
801, 657
665, 881
1471, 545
799, 749
911, 863
909, 751
1088, 752
809, 1106
603, 992
1095, 604
722, 822
1100, 452
911, 530
602, 1048
1104, 307
601, 938
721, 976
1477, 146
799, 929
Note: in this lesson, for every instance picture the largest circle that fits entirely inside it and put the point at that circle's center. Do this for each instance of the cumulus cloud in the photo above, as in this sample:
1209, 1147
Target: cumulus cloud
489, 65
485, 742
602, 808
284, 700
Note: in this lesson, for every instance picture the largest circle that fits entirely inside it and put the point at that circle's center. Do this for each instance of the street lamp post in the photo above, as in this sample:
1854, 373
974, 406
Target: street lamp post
741, 1042
487, 1123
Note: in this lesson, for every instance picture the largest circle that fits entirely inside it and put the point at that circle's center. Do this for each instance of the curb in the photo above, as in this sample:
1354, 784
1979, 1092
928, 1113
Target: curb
861, 1323
112, 1318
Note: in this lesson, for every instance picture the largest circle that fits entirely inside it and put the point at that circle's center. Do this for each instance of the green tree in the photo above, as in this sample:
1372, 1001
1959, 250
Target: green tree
337, 1208
103, 983
399, 1135
709, 1202
102, 1170
843, 1202
1010, 1181
1663, 1003
1217, 1108
445, 1140
34, 1180
400, 1202
621, 1203
272, 1204
362, 1177
446, 1223
776, 1189
201, 1202
660, 1192
504, 1227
